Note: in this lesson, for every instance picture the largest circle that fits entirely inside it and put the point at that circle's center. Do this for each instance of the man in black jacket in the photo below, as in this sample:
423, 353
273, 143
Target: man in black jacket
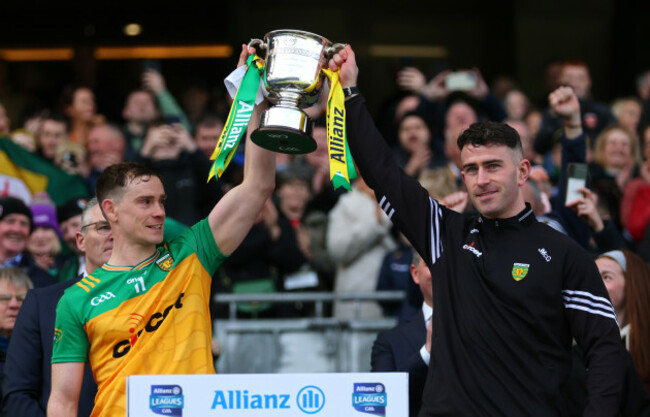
407, 347
510, 292
28, 370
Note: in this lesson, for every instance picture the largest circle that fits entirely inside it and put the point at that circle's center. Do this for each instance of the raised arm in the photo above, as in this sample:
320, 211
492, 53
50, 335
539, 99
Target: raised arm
66, 385
401, 197
234, 215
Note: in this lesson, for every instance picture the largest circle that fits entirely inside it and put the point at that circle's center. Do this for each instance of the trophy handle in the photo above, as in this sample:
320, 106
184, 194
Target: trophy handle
257, 43
331, 50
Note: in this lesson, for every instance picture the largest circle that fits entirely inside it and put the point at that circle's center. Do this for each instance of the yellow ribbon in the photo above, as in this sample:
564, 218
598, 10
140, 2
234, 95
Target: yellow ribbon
341, 166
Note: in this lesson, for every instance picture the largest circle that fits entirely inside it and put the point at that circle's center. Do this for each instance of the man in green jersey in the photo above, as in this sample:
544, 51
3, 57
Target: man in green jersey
146, 311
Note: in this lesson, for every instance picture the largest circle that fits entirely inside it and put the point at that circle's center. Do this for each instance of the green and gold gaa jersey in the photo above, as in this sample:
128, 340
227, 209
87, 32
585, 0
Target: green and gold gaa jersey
152, 318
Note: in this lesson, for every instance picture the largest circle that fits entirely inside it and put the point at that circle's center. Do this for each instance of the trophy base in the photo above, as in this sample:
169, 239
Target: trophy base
283, 140
285, 130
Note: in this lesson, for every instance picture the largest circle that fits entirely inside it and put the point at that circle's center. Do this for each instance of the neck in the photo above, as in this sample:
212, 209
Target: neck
91, 267
622, 319
130, 254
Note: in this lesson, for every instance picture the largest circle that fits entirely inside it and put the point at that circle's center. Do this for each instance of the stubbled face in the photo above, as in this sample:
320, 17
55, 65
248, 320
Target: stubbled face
577, 77
14, 232
207, 138
52, 134
413, 133
9, 308
618, 150
614, 279
493, 176
140, 213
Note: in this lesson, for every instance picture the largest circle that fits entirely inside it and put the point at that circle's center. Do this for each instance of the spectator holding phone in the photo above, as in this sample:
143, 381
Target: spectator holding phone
447, 88
144, 107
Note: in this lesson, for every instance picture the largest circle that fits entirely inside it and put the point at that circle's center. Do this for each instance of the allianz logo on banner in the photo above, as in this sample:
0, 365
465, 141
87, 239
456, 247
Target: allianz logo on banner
369, 398
310, 400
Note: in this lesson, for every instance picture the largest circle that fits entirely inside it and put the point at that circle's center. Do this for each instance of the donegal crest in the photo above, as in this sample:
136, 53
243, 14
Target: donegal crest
519, 271
165, 262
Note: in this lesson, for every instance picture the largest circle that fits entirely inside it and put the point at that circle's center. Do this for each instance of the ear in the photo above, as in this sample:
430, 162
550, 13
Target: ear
523, 171
81, 242
109, 209
414, 274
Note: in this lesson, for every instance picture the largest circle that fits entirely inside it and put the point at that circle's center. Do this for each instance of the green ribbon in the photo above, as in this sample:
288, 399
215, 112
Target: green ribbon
238, 118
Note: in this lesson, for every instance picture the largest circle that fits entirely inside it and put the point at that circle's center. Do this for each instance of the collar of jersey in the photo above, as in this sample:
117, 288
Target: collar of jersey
141, 265
523, 218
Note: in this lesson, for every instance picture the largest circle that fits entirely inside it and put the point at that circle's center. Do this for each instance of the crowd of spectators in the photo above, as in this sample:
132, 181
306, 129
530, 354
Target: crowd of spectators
310, 237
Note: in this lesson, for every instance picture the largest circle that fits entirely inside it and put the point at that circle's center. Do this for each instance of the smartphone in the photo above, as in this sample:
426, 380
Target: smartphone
153, 64
576, 177
461, 81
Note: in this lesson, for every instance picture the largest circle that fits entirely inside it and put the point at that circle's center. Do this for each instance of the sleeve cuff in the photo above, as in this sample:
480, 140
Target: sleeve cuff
426, 356
234, 79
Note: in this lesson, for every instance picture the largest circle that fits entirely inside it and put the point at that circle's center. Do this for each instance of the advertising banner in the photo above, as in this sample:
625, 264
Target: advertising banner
269, 395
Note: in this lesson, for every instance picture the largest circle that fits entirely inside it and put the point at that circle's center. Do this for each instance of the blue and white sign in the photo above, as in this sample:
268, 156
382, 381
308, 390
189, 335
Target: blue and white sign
269, 395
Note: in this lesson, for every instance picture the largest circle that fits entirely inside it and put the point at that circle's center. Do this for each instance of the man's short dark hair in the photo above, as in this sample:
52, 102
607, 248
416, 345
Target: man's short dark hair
114, 179
490, 133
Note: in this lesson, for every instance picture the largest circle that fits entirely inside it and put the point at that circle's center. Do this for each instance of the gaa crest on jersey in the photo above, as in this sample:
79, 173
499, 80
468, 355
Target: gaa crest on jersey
165, 262
519, 271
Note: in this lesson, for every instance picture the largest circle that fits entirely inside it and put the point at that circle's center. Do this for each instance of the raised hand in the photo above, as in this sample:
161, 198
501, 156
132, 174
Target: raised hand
411, 79
346, 61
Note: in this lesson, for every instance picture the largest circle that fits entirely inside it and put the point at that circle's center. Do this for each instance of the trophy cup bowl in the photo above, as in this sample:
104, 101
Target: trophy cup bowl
293, 78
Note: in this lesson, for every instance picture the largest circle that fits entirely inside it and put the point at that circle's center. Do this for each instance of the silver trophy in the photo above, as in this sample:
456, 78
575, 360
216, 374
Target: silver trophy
293, 78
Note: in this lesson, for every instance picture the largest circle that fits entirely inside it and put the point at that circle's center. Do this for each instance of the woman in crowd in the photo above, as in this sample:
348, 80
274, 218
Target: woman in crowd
78, 104
627, 278
616, 162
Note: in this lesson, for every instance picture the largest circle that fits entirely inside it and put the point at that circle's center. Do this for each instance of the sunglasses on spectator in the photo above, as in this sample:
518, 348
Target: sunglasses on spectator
101, 227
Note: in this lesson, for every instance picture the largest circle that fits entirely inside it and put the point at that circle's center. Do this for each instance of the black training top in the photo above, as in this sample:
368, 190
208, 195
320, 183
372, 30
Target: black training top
509, 295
